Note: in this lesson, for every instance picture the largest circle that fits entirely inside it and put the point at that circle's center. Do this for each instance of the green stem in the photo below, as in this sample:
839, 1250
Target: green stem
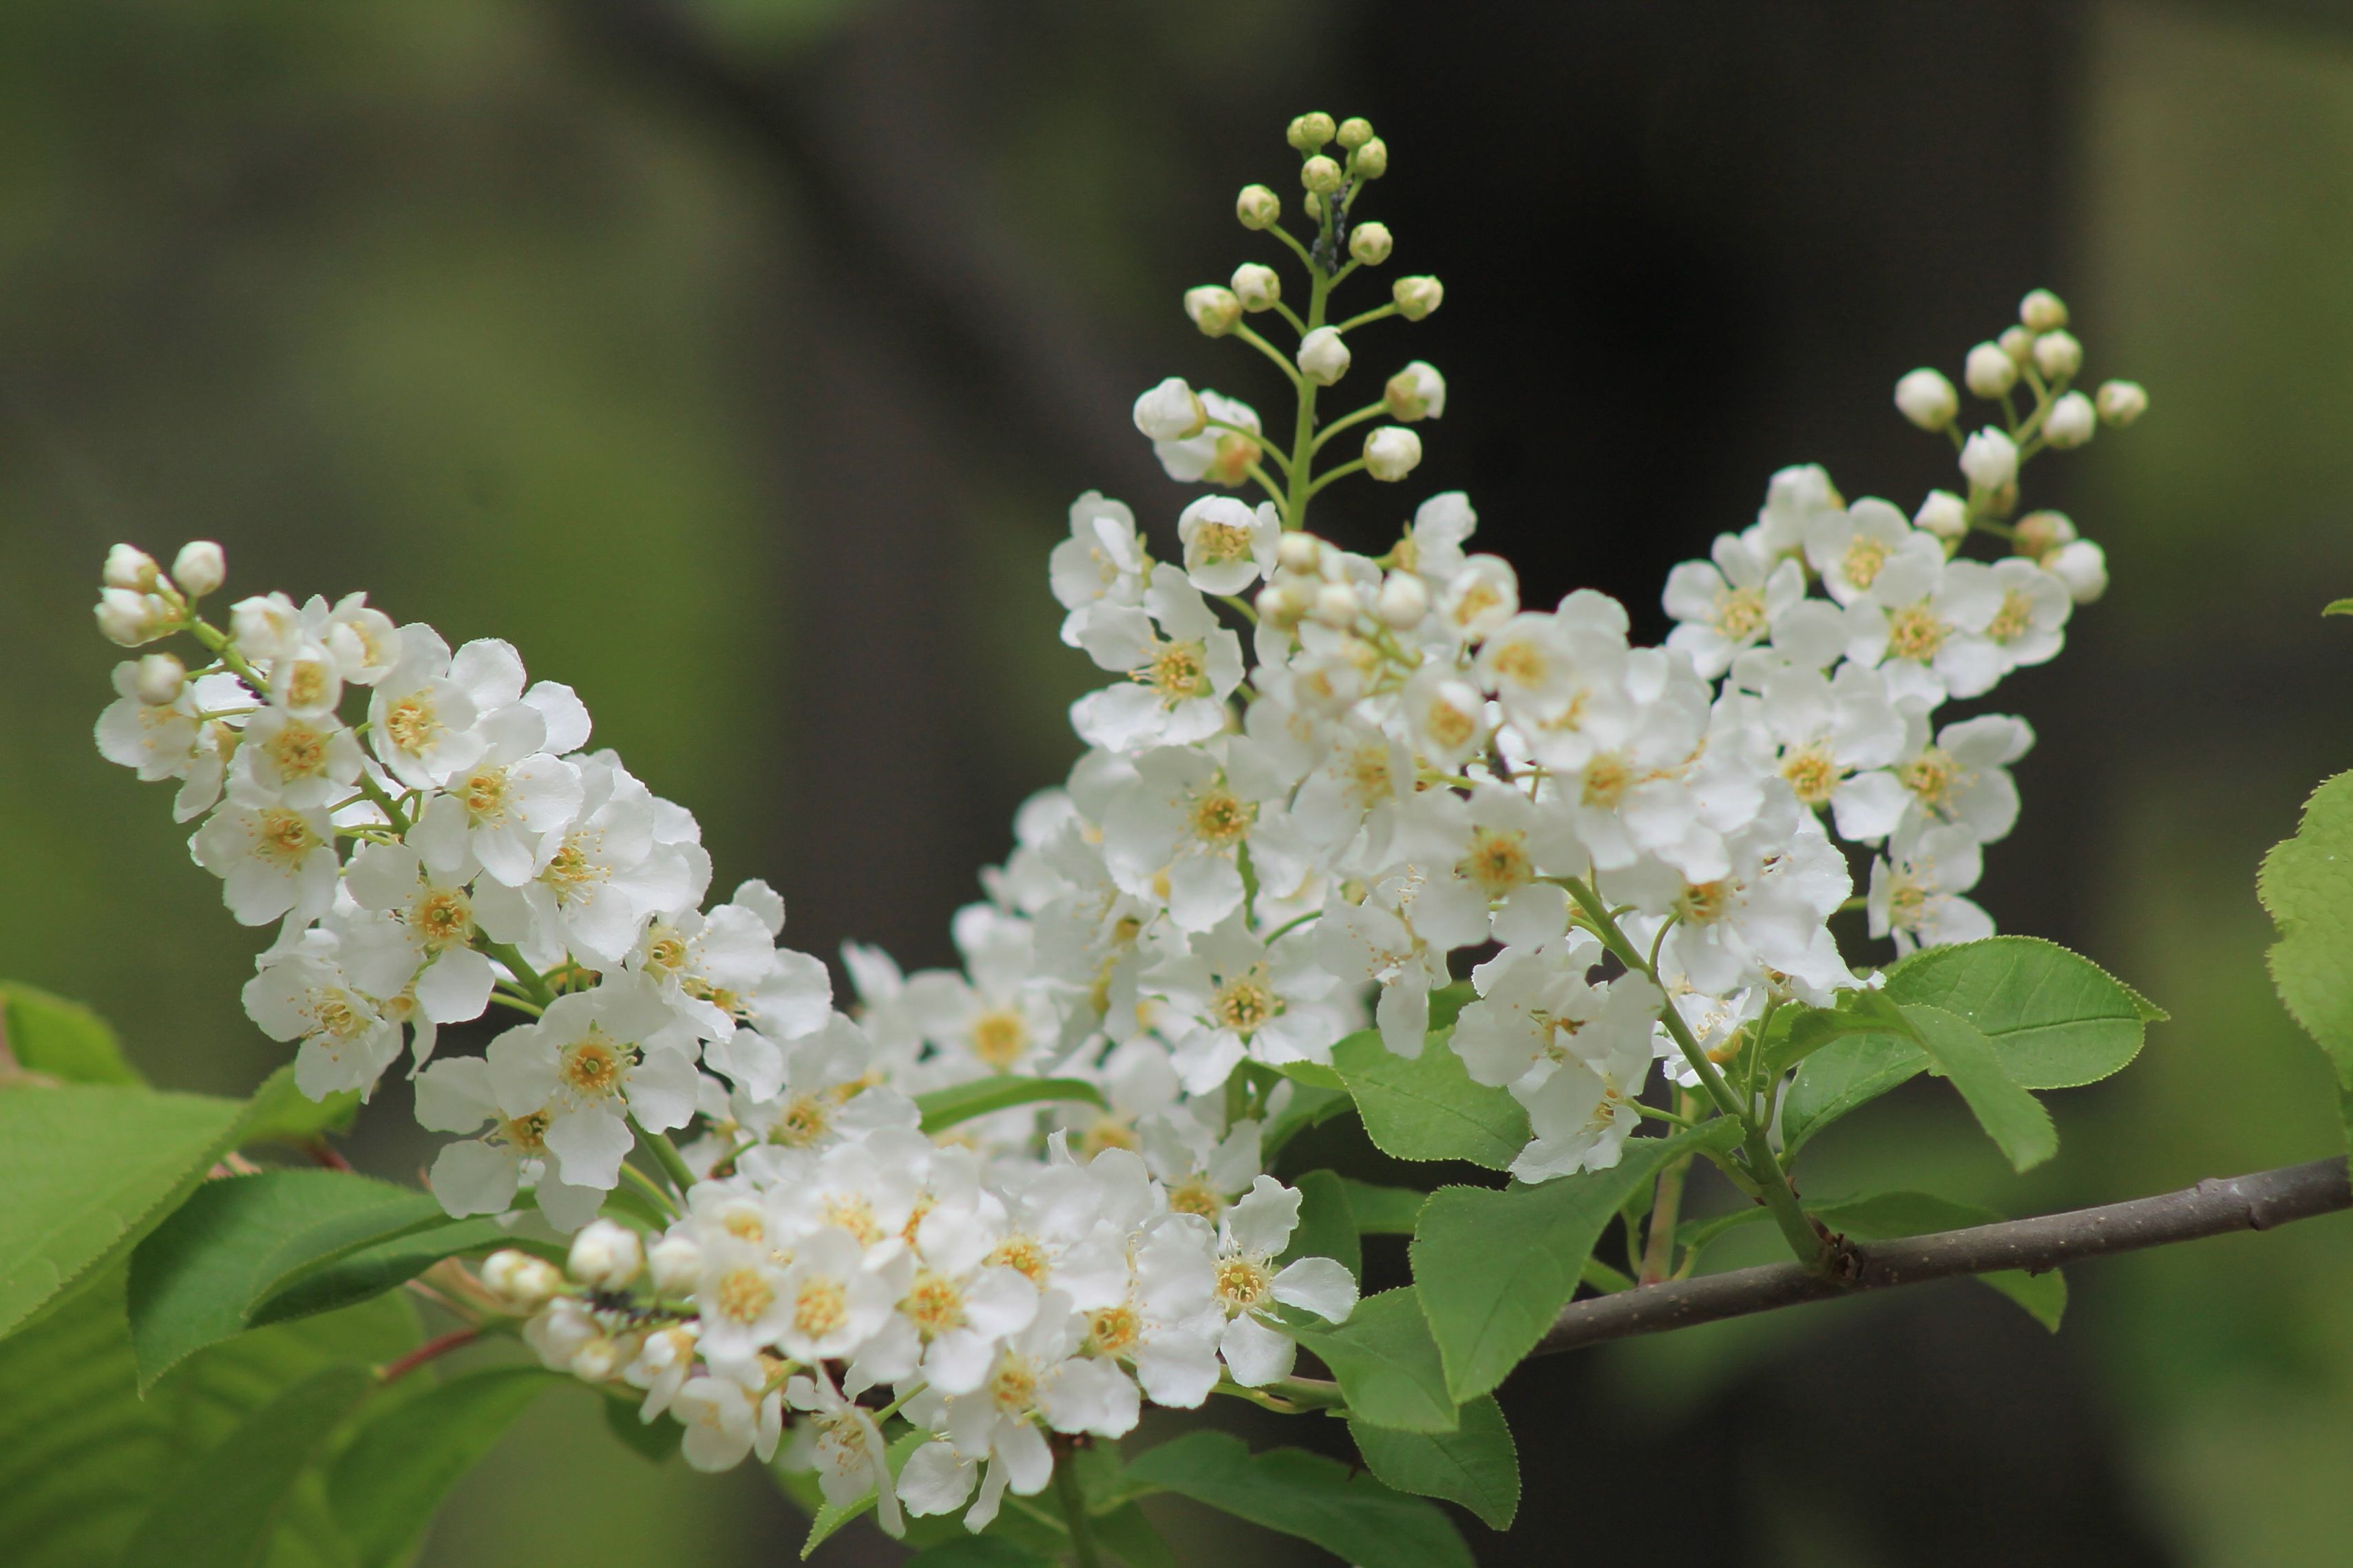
1342, 472
652, 1188
1659, 1257
666, 1155
1297, 249
384, 802
1369, 411
1074, 1509
526, 977
1274, 492
1271, 352
1256, 435
1603, 1278
1378, 313
1303, 429
218, 642
1293, 317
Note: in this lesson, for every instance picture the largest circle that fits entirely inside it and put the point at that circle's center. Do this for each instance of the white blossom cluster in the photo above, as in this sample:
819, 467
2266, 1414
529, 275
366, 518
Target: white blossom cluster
1321, 781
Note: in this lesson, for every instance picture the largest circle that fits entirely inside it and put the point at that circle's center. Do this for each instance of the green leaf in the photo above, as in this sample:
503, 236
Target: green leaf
63, 1039
1885, 1215
1427, 1108
1862, 1012
2338, 607
944, 1108
385, 1486
2056, 1019
1354, 1517
281, 1114
2013, 1118
2307, 884
1845, 1075
1446, 1005
1308, 1107
1476, 1465
1383, 1211
87, 1170
222, 1511
82, 1455
1129, 1536
1387, 1364
1494, 1268
829, 1517
207, 1270
387, 1266
655, 1441
1316, 1074
978, 1552
1327, 1225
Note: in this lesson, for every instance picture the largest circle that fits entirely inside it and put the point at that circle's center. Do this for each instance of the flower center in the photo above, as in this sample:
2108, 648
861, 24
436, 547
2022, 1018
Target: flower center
485, 795
1015, 1386
1024, 1256
282, 836
665, 950
1448, 725
1178, 672
333, 1013
298, 752
1477, 599
1864, 557
1916, 634
1222, 541
856, 1216
1221, 818
591, 1068
1242, 1284
1607, 780
1520, 662
306, 683
1369, 775
2013, 620
744, 1294
1930, 777
1236, 453
1498, 862
1113, 1330
998, 1038
528, 1133
1811, 775
934, 1304
820, 1306
1195, 1195
574, 871
442, 918
802, 1122
411, 724
1740, 614
1244, 1005
1703, 902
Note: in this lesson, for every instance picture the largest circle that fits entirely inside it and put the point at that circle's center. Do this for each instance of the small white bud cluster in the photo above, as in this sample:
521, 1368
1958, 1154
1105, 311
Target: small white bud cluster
138, 603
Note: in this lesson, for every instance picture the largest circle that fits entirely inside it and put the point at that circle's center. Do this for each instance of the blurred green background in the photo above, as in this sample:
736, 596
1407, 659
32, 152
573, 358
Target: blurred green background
735, 359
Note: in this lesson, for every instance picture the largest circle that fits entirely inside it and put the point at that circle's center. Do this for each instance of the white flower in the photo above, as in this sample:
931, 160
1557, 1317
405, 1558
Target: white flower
1915, 890
1217, 456
1537, 1006
285, 759
480, 1176
1923, 625
1989, 459
1478, 597
1850, 548
272, 860
582, 1065
1836, 738
836, 1295
1247, 1285
1417, 392
1227, 544
422, 713
1963, 779
1729, 605
1323, 356
1432, 545
510, 799
726, 1417
1178, 683
2082, 566
1244, 998
596, 886
1795, 499
432, 916
1170, 411
1398, 936
304, 994
1174, 832
2033, 606
1990, 370
1102, 562
852, 1462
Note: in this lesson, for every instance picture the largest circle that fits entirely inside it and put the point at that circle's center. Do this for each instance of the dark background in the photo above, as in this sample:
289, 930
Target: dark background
736, 359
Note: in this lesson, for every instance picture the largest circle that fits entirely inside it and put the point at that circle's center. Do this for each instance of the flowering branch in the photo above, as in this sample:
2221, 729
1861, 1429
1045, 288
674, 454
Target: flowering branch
2215, 1206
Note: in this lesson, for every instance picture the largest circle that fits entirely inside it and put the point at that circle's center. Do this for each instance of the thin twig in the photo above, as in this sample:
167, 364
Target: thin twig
430, 1348
2213, 1208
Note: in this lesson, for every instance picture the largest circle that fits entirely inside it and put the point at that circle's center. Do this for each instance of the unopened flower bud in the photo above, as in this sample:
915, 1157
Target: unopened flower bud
676, 1264
127, 566
159, 679
1310, 132
1355, 131
1336, 605
1370, 243
1257, 207
1171, 411
2042, 312
129, 619
1989, 458
2018, 343
2122, 402
1320, 175
1927, 399
1944, 514
1323, 356
2040, 532
605, 1255
200, 568
1371, 160
2071, 421
1416, 297
1391, 453
597, 1360
1313, 205
524, 1282
1299, 552
1989, 371
1417, 392
1403, 602
1282, 605
2057, 355
265, 626
1257, 287
2082, 566
1214, 310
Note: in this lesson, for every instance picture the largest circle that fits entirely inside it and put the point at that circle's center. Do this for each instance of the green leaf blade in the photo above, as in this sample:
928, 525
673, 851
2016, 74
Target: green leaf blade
385, 1488
2056, 1019
1957, 1050
2307, 886
1384, 1211
1494, 1268
1476, 1465
944, 1108
62, 1039
1355, 1516
1387, 1364
1426, 1107
1327, 1224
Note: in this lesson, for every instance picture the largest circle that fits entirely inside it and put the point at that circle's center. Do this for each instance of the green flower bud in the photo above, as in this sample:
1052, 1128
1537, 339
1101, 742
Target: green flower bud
1370, 161
1416, 297
1354, 132
1257, 287
1320, 175
1313, 205
1214, 310
1310, 132
1257, 207
1370, 244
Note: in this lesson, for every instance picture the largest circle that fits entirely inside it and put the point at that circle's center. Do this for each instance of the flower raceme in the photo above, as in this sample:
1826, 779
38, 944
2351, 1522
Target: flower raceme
1321, 781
